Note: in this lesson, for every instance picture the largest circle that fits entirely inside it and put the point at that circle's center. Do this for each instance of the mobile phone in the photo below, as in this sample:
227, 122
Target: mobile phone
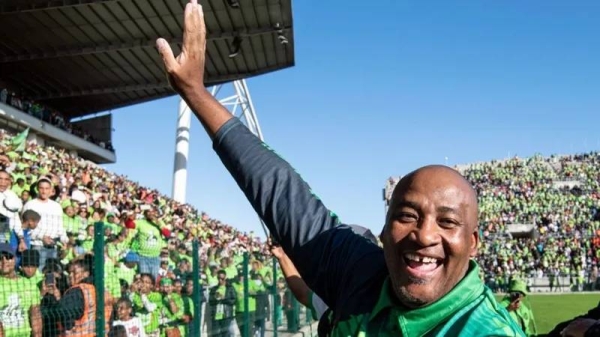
514, 296
50, 279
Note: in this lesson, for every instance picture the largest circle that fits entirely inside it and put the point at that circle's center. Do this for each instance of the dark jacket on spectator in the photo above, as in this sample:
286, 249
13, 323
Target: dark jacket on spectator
228, 301
68, 309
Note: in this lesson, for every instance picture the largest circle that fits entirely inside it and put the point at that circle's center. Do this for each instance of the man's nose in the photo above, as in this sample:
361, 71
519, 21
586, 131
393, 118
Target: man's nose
426, 233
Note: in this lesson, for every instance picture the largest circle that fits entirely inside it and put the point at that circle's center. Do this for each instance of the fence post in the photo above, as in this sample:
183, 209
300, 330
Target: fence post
246, 331
275, 301
99, 276
295, 316
197, 297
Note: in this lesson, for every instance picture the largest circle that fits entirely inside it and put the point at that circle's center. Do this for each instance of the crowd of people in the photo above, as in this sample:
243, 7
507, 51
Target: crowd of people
559, 196
50, 202
48, 115
56, 198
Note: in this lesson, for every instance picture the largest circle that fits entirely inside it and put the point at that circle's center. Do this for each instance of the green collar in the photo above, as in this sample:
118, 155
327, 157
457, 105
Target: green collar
420, 321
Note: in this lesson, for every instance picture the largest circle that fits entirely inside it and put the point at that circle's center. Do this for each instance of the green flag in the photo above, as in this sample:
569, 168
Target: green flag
19, 141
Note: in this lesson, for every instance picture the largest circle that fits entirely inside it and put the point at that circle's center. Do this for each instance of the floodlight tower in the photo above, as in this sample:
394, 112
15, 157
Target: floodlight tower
238, 101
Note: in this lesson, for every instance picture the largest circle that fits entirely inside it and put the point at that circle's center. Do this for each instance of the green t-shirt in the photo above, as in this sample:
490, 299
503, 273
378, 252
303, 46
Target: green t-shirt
125, 273
16, 299
72, 225
150, 320
111, 280
173, 316
148, 240
252, 290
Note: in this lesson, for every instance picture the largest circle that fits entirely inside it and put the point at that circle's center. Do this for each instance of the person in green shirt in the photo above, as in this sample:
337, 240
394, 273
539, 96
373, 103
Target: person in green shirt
221, 305
518, 309
147, 242
147, 304
19, 299
127, 269
173, 308
240, 308
30, 263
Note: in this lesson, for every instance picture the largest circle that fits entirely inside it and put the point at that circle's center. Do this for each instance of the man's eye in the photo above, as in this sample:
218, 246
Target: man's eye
406, 216
448, 223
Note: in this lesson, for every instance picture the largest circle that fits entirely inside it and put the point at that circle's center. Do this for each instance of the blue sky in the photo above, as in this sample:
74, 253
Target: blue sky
381, 88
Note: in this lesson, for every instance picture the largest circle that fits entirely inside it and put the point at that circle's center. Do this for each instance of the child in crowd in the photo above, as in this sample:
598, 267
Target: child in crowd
29, 221
133, 325
172, 312
147, 304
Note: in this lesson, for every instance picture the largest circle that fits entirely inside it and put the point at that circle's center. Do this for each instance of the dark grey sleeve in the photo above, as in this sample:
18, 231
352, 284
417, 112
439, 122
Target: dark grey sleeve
323, 252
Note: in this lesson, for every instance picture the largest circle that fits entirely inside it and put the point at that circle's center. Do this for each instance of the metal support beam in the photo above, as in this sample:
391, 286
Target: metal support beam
241, 99
69, 51
182, 150
239, 103
21, 6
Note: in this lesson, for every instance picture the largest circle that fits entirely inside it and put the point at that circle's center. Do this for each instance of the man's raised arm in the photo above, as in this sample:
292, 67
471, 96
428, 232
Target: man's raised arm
279, 195
305, 228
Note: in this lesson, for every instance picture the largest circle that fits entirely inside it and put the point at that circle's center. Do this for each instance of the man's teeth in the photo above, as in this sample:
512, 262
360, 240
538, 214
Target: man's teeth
422, 259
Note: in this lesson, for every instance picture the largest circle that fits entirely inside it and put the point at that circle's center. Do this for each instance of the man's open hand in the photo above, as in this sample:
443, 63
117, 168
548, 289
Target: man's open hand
186, 72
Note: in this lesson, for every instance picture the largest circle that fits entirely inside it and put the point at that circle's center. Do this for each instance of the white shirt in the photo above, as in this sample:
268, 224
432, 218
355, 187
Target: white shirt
133, 327
51, 222
14, 203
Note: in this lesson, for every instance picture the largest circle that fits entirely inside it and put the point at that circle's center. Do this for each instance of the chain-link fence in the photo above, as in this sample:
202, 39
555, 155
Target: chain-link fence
103, 280
250, 297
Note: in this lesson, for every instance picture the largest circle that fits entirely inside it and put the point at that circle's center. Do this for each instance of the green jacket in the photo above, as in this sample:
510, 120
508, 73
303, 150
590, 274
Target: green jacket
469, 309
522, 316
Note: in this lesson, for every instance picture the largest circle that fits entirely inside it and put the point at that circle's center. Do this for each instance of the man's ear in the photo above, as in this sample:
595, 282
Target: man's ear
474, 243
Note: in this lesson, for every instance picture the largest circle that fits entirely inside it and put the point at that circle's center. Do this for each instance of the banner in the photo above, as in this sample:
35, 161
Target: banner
19, 141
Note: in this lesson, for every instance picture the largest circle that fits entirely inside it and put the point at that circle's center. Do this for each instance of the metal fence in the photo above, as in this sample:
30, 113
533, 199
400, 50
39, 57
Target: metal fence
57, 297
554, 283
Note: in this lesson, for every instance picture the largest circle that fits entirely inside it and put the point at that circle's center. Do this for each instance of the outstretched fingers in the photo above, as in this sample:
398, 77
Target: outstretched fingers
193, 34
186, 70
167, 54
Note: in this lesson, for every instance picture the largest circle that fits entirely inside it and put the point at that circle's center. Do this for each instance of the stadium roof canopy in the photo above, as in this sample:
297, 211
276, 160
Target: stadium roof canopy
85, 56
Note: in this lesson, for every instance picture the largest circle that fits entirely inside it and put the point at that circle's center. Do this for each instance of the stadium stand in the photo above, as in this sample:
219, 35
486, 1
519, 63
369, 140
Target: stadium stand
48, 115
48, 275
539, 220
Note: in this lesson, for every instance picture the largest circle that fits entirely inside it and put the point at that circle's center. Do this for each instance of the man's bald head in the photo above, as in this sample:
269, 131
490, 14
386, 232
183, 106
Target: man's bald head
430, 234
439, 176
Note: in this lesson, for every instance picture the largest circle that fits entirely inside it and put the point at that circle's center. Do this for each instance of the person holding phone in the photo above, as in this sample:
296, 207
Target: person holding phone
519, 310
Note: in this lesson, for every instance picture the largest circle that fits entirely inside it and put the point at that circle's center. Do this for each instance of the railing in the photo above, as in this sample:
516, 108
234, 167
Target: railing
44, 304
557, 283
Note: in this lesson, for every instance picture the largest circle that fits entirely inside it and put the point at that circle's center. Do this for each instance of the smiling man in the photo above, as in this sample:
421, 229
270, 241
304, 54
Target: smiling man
431, 233
423, 282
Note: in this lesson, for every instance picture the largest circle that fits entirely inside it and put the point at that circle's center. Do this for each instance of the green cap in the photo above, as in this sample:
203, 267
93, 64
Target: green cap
518, 286
166, 282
